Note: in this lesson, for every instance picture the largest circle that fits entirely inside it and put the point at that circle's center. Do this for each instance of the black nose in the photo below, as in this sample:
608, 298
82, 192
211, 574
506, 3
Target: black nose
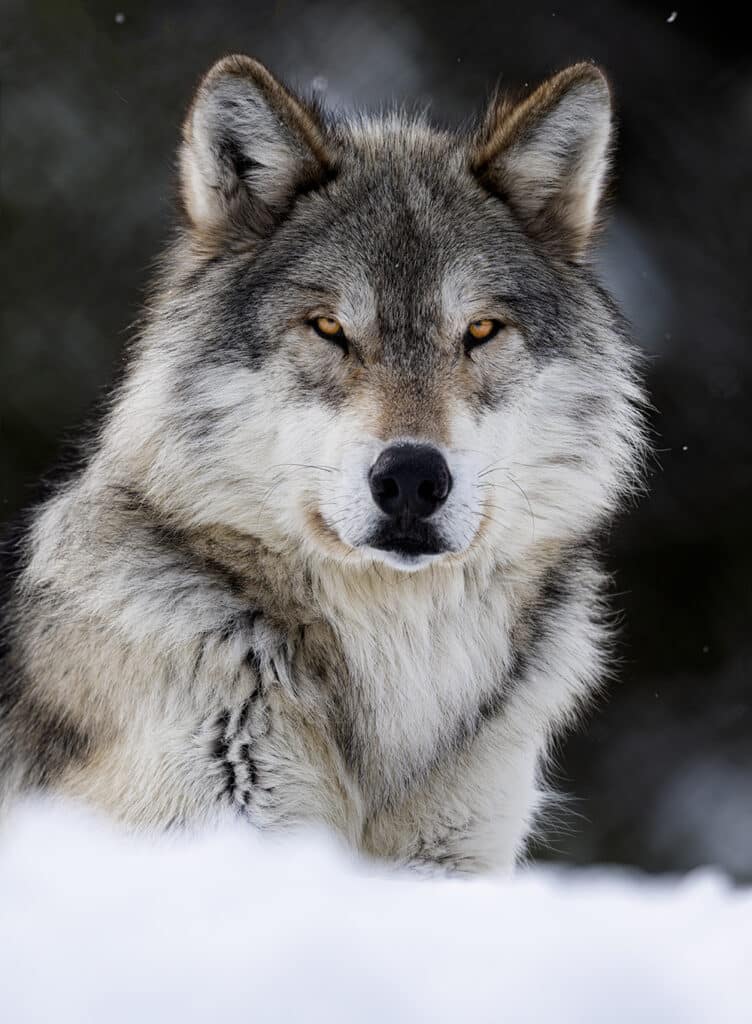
410, 479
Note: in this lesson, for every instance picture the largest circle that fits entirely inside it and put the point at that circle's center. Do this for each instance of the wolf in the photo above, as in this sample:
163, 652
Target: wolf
332, 556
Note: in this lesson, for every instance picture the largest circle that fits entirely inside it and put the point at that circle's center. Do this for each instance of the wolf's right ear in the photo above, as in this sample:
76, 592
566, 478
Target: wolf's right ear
249, 145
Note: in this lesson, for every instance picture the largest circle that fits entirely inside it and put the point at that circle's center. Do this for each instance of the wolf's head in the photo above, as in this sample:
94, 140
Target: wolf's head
380, 342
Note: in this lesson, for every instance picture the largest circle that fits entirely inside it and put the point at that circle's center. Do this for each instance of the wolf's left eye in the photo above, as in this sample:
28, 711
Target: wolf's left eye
481, 331
330, 329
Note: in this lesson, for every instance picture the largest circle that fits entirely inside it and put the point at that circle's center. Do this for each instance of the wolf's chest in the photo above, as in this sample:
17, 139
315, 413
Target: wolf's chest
411, 695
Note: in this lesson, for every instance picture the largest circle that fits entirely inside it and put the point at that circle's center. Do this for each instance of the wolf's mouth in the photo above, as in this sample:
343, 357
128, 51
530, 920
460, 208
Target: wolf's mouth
421, 539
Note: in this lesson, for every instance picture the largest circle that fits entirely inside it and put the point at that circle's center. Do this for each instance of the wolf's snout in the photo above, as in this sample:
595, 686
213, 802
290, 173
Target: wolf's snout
410, 480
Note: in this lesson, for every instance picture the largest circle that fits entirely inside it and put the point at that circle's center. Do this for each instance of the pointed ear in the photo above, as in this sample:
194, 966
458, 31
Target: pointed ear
249, 145
548, 155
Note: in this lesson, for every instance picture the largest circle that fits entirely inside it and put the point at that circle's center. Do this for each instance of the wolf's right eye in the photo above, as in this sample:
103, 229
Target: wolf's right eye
330, 329
481, 331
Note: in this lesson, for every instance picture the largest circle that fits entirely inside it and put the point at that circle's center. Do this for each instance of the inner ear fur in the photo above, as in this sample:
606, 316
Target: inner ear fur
249, 146
547, 155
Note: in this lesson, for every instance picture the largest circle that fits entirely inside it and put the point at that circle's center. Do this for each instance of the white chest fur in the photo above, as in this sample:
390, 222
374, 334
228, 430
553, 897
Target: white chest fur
421, 664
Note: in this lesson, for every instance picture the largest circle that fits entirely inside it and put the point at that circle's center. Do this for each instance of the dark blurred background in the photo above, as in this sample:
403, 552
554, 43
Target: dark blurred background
92, 99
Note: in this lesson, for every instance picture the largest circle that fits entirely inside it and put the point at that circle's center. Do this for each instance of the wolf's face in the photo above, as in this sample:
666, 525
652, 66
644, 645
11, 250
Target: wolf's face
384, 346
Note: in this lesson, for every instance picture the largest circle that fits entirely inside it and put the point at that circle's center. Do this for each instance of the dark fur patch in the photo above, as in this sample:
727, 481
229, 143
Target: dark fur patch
535, 625
312, 386
233, 750
170, 537
38, 739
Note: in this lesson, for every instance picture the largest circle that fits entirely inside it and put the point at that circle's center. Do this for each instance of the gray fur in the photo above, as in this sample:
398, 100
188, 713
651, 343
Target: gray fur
201, 624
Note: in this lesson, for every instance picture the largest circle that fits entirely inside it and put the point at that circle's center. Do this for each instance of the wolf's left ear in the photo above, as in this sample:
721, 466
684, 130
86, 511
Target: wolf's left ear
249, 146
548, 155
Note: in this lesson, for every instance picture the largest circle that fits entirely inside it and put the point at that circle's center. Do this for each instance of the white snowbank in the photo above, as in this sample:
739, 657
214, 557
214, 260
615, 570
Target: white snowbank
233, 926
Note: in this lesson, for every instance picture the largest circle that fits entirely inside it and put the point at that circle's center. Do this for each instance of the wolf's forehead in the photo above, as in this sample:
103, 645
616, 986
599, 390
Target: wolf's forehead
392, 267
400, 232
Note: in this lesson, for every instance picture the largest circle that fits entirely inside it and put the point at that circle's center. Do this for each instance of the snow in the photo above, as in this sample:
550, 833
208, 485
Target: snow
98, 927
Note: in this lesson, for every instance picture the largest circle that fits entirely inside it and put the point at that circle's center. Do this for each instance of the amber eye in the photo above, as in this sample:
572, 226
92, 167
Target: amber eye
329, 328
481, 331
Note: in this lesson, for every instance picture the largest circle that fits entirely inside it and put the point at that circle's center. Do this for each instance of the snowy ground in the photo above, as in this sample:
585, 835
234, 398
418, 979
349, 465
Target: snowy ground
229, 926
